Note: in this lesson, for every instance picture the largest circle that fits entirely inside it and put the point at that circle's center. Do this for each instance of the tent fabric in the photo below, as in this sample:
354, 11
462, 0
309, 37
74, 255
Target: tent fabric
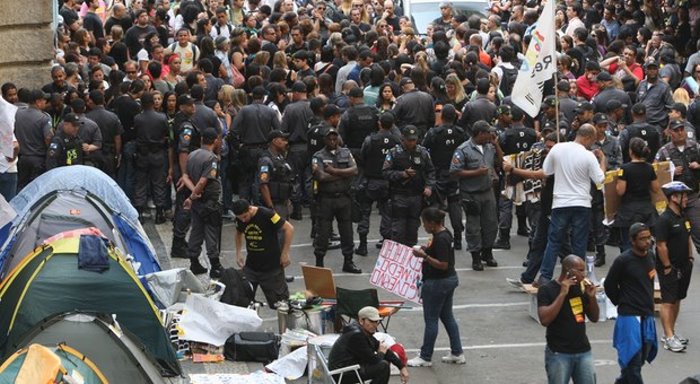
115, 350
48, 282
23, 366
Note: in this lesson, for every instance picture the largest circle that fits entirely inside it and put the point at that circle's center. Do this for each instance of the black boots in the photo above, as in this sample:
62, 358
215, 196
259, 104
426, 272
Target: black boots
503, 241
362, 247
458, 241
522, 226
599, 255
380, 243
196, 267
476, 261
216, 268
296, 212
487, 257
319, 261
179, 248
350, 267
160, 215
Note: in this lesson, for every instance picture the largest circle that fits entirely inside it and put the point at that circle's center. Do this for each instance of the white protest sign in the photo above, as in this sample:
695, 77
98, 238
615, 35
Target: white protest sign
398, 271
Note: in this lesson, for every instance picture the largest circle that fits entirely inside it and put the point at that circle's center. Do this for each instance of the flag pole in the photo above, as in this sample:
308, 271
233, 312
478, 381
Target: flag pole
556, 99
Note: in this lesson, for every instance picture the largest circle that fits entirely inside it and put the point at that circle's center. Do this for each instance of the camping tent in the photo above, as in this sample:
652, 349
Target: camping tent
115, 350
49, 281
74, 197
39, 364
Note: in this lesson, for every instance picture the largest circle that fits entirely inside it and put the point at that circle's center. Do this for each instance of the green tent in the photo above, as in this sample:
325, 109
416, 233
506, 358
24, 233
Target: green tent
38, 363
49, 282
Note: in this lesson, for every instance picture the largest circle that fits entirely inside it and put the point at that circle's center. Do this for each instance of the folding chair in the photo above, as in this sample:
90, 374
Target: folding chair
349, 302
340, 371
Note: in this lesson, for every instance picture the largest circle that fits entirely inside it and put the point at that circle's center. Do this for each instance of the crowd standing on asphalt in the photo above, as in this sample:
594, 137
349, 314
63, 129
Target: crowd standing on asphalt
340, 105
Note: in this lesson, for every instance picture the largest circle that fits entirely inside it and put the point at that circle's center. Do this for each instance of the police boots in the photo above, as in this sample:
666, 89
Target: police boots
458, 241
296, 212
196, 267
179, 248
476, 261
487, 257
523, 230
599, 255
362, 247
350, 267
160, 215
503, 241
216, 268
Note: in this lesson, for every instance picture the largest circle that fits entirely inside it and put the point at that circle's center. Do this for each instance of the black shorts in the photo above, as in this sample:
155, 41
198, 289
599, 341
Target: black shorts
273, 284
674, 286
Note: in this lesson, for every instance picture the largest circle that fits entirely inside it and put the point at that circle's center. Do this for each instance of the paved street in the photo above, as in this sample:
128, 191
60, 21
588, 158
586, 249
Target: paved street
501, 342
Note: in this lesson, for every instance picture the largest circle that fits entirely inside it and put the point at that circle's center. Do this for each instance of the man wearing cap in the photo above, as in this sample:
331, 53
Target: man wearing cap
295, 123
446, 13
567, 105
587, 85
642, 129
616, 117
357, 345
333, 169
481, 108
201, 178
414, 106
111, 129
606, 92
250, 127
549, 116
275, 177
584, 115
655, 94
678, 113
475, 165
441, 142
89, 133
65, 146
684, 153
630, 286
188, 138
33, 132
152, 150
411, 176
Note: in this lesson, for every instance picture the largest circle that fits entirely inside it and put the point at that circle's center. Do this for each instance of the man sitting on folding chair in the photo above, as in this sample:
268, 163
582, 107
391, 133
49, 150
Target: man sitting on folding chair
357, 345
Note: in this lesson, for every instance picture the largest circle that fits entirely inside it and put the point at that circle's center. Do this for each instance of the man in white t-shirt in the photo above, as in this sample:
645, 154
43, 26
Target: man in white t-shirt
188, 52
574, 168
8, 172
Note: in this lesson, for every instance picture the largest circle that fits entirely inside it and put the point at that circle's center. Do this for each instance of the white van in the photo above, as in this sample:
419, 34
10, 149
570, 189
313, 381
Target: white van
423, 12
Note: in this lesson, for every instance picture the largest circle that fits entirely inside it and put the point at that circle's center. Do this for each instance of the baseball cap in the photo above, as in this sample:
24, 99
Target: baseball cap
612, 105
331, 130
503, 109
356, 92
548, 126
210, 133
550, 101
299, 87
584, 106
564, 86
482, 126
276, 134
600, 118
651, 63
677, 124
410, 132
603, 76
70, 118
636, 228
387, 118
405, 81
331, 110
185, 100
369, 313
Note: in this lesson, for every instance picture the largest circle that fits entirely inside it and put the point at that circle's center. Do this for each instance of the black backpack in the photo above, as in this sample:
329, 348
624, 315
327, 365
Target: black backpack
508, 80
239, 291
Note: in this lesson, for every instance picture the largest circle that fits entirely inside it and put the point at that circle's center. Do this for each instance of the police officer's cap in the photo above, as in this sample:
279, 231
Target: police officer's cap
356, 92
639, 109
651, 63
410, 132
584, 106
547, 128
482, 126
299, 87
550, 101
677, 124
71, 118
185, 100
600, 118
331, 131
612, 105
387, 118
603, 76
503, 109
330, 110
210, 134
38, 94
277, 134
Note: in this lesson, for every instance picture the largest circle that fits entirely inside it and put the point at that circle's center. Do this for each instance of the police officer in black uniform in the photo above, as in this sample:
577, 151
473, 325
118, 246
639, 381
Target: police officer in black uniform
373, 187
65, 147
441, 142
201, 177
549, 115
188, 139
33, 131
275, 176
516, 139
411, 177
357, 122
111, 129
152, 136
642, 129
333, 169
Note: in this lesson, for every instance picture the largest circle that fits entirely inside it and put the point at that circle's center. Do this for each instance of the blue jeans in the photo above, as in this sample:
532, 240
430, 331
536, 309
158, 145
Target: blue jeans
562, 367
8, 185
632, 373
578, 219
437, 305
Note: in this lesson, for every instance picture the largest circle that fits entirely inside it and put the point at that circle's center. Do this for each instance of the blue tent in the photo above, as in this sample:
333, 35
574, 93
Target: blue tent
74, 197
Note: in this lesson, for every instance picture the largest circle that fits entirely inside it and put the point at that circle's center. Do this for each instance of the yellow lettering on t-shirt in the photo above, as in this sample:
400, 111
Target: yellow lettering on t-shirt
577, 309
275, 218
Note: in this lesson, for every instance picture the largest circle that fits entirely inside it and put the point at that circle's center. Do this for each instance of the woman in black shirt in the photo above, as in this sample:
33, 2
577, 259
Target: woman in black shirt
635, 185
439, 283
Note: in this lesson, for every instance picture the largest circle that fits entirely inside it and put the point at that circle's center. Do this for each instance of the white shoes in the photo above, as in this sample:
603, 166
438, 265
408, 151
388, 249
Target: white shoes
452, 359
418, 362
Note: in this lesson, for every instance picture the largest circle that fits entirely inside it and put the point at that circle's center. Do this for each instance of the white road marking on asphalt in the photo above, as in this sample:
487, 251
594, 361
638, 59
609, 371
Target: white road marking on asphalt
466, 306
497, 346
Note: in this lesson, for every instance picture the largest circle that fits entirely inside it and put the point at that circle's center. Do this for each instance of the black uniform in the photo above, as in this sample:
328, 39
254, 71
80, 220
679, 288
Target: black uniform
295, 122
275, 172
600, 100
32, 127
645, 131
126, 109
152, 133
480, 108
188, 140
356, 124
110, 127
64, 150
407, 194
207, 210
333, 199
315, 136
250, 127
415, 107
441, 142
373, 187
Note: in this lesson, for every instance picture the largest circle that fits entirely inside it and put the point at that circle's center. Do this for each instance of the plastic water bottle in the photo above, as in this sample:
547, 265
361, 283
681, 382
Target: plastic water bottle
590, 269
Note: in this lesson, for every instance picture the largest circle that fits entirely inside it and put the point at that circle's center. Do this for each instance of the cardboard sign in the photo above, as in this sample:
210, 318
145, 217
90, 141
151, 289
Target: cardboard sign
525, 189
398, 271
663, 171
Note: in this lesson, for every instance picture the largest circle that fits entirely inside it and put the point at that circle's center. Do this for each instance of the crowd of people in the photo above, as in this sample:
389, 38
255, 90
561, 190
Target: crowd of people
340, 105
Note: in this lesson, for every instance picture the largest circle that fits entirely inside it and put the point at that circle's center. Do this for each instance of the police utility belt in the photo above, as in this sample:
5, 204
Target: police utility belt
280, 191
150, 147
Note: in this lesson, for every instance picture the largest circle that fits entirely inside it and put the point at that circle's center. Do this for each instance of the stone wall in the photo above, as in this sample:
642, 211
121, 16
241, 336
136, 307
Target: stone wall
26, 42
